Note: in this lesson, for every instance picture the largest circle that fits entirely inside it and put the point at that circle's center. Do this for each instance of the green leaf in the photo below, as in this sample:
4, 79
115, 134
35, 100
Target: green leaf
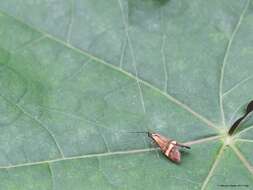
77, 76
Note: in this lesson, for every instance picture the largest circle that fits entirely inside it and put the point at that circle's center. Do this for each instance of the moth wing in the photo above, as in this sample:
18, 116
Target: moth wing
175, 155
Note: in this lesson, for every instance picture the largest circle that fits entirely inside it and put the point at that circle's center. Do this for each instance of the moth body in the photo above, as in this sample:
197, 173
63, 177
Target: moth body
168, 146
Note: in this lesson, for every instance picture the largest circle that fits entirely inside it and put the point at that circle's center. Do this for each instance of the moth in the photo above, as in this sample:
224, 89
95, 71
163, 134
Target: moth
169, 147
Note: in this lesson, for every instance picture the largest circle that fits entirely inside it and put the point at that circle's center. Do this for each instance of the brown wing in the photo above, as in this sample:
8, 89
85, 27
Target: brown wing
161, 141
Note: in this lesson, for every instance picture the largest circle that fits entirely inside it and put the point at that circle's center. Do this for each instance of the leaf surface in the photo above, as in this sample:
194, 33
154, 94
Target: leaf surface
77, 76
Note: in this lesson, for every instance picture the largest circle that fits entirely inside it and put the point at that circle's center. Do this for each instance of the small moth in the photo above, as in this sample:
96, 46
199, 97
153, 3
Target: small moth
169, 147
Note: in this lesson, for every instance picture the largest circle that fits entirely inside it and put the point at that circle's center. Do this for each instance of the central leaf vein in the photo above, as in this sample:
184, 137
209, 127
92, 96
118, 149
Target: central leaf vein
199, 141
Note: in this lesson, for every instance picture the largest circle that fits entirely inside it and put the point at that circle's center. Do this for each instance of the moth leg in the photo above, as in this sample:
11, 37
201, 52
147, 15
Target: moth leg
145, 142
184, 146
153, 143
157, 153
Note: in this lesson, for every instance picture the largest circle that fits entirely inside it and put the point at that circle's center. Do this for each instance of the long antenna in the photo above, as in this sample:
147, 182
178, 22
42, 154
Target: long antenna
145, 132
138, 132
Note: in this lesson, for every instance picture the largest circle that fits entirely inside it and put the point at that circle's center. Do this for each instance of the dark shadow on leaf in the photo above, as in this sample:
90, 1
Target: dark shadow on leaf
184, 152
237, 123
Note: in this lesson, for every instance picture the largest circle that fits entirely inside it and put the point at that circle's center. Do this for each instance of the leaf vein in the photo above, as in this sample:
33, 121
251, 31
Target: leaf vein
168, 96
237, 85
132, 55
243, 131
224, 63
37, 121
200, 141
69, 32
245, 140
51, 175
29, 44
211, 171
243, 159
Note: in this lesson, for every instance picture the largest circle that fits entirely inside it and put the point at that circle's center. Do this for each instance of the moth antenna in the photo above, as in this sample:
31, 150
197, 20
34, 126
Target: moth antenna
138, 132
145, 132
